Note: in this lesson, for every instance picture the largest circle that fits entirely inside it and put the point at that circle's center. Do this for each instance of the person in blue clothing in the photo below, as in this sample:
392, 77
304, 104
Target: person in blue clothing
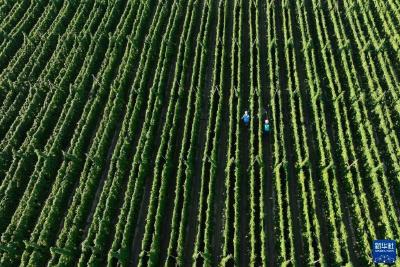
246, 118
267, 127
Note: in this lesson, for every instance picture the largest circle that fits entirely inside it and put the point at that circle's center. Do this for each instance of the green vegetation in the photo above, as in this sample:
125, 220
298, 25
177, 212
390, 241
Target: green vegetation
122, 141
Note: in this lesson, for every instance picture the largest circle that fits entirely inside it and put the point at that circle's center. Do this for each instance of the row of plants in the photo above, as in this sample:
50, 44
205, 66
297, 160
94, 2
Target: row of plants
21, 220
326, 149
198, 84
255, 128
29, 64
176, 107
19, 21
183, 182
79, 144
95, 168
11, 9
382, 102
227, 250
17, 132
239, 158
221, 83
133, 194
123, 168
87, 81
368, 146
262, 155
96, 239
283, 221
356, 103
209, 161
22, 166
30, 43
301, 157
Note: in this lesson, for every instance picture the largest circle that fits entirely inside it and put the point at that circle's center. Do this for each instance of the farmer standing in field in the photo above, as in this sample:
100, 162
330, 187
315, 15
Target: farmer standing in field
246, 118
266, 127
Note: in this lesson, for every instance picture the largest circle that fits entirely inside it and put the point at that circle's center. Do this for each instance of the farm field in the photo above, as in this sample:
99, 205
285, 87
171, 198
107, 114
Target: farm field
122, 141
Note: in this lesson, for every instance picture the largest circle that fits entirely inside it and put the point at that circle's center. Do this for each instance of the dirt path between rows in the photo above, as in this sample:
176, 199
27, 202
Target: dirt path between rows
103, 177
268, 151
244, 188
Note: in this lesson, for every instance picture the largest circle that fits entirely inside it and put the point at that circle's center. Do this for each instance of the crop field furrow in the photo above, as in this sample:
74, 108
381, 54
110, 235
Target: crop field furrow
199, 132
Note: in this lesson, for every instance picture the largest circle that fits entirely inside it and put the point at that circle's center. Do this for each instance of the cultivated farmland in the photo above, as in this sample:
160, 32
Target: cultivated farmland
122, 141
